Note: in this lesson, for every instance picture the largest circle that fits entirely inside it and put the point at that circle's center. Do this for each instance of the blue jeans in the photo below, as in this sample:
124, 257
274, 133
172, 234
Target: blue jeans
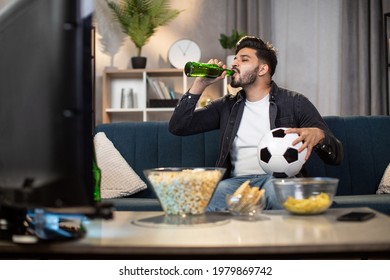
229, 186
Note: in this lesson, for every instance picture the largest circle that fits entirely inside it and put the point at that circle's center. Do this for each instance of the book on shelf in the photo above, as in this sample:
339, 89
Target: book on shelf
171, 93
159, 90
154, 92
164, 90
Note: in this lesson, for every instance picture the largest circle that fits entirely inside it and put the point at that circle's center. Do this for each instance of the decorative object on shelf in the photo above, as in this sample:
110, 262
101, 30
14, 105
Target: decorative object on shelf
204, 102
127, 98
182, 51
140, 20
111, 37
229, 43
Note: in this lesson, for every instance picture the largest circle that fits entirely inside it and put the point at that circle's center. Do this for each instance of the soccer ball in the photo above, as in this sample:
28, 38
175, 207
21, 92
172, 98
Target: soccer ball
277, 156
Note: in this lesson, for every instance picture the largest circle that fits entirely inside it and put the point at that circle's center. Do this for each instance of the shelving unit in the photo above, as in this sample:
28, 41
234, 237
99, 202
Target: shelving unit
137, 79
116, 80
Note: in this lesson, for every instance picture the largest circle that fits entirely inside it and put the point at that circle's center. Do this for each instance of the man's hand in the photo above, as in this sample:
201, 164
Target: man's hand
200, 84
309, 136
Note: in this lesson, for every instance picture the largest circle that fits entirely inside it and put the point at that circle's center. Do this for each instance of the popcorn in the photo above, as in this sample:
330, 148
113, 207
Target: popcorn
185, 192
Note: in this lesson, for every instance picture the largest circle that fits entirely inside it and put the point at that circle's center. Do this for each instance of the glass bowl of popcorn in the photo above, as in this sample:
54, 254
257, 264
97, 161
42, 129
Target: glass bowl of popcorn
184, 191
306, 196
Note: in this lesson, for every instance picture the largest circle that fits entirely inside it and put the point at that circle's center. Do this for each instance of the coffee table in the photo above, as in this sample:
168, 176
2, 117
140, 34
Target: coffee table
276, 235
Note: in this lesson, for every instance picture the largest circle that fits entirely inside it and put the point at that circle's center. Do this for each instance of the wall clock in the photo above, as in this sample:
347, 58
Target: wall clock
183, 51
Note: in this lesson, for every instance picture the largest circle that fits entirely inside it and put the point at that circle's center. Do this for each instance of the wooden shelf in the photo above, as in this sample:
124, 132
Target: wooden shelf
115, 80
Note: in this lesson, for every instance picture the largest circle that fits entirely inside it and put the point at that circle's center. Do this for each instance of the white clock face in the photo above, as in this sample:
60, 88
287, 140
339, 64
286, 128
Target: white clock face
183, 51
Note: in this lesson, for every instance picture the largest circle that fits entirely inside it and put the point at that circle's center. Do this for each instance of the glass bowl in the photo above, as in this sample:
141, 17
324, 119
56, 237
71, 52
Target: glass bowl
306, 196
248, 205
183, 191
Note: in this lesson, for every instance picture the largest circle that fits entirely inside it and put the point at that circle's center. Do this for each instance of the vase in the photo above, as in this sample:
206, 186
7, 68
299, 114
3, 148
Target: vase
138, 62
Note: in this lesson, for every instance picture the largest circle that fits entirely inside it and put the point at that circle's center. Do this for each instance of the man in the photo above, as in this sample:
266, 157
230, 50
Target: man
245, 117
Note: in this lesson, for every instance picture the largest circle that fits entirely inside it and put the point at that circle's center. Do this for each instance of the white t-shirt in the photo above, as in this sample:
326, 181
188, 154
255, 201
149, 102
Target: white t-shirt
254, 124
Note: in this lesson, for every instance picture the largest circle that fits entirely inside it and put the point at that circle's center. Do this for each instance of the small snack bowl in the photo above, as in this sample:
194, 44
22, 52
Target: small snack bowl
183, 191
245, 206
246, 201
306, 196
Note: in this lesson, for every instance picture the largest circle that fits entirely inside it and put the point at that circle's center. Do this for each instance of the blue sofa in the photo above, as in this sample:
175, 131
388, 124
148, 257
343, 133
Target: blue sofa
366, 141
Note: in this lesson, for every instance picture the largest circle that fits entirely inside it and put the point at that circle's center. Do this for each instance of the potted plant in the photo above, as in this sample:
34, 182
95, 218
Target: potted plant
139, 19
229, 43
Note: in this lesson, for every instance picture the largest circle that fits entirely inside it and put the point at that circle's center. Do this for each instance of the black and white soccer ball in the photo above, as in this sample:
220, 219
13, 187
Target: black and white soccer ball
277, 156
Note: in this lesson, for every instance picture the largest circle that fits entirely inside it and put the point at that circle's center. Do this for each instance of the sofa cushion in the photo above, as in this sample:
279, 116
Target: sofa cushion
384, 186
118, 178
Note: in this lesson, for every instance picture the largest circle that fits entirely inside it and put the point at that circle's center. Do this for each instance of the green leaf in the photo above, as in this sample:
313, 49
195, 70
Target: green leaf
139, 19
229, 42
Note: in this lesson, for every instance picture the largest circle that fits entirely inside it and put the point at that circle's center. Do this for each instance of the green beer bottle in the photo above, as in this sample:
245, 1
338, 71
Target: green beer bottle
197, 69
96, 179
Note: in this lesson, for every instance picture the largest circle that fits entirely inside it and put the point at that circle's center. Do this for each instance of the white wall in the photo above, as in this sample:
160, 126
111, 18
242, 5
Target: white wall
201, 21
306, 33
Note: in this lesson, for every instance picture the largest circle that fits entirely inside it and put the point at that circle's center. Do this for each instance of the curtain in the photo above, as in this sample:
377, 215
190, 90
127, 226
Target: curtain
250, 16
362, 87
332, 51
307, 35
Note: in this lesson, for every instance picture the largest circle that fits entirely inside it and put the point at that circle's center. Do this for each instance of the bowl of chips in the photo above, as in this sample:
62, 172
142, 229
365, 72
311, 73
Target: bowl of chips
306, 196
184, 191
247, 200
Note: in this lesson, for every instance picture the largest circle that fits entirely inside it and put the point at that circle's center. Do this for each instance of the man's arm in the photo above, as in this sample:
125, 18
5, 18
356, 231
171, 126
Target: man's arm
185, 119
327, 146
316, 135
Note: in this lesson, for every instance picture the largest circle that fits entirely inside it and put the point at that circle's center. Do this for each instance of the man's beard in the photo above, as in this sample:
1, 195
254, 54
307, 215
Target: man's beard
245, 80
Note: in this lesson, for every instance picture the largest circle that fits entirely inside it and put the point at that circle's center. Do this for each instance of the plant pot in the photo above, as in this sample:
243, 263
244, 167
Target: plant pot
138, 62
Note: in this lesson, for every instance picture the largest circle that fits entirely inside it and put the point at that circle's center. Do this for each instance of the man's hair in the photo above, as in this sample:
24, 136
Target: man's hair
264, 51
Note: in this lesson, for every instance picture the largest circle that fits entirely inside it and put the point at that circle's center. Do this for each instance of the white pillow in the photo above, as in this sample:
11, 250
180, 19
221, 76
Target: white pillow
118, 178
384, 186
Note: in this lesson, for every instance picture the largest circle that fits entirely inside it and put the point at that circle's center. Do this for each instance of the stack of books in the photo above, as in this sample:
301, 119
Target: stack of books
160, 95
